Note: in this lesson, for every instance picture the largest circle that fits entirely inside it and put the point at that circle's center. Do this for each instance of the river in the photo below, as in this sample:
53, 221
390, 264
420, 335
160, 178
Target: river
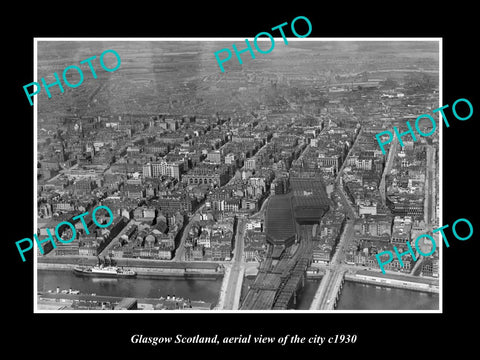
357, 296
354, 296
206, 290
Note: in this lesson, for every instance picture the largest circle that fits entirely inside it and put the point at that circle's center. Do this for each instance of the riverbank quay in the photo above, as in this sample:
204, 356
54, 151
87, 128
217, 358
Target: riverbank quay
64, 301
423, 284
399, 281
143, 267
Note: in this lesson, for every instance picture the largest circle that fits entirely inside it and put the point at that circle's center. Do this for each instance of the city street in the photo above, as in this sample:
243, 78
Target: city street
325, 291
180, 251
231, 297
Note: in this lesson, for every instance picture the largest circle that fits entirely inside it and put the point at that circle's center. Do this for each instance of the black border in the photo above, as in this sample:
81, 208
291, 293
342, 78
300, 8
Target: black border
377, 333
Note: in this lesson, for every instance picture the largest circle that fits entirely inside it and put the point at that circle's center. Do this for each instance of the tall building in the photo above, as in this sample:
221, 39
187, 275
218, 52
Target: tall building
199, 176
214, 157
83, 187
173, 169
250, 164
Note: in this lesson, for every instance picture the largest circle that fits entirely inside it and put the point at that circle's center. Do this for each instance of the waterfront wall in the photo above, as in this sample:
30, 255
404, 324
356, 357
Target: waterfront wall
204, 274
46, 266
394, 283
132, 262
382, 281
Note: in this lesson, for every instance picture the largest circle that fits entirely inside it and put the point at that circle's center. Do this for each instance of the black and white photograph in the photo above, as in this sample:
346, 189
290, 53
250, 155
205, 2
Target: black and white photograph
262, 187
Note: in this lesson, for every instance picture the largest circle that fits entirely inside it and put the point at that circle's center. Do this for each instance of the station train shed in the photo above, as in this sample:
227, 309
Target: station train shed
306, 203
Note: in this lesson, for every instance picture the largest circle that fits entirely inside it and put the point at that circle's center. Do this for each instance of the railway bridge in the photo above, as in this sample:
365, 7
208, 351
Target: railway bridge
290, 225
281, 276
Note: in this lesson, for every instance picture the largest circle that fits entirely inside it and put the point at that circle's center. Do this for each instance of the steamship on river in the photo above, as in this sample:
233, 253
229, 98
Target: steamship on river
104, 271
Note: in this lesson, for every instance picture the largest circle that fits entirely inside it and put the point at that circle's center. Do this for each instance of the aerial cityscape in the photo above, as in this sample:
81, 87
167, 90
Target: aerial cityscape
259, 188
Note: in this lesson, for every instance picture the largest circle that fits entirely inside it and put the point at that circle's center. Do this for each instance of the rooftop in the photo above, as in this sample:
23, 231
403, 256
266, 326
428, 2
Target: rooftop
279, 221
